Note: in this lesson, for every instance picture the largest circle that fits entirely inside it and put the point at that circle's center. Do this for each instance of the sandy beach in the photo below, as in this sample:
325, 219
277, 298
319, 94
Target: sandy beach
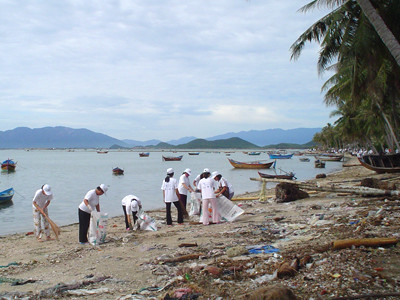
213, 262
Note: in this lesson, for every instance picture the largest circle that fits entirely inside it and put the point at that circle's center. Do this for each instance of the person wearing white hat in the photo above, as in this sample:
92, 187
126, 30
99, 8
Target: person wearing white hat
200, 176
224, 187
184, 186
206, 186
40, 202
131, 205
170, 195
89, 203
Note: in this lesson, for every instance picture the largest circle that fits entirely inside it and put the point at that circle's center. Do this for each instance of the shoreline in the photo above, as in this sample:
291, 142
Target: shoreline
149, 265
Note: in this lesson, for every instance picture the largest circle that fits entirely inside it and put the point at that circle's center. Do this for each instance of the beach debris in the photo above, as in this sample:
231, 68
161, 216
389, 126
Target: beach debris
377, 184
367, 242
188, 245
262, 249
85, 292
236, 251
273, 293
10, 264
287, 192
183, 258
320, 176
288, 269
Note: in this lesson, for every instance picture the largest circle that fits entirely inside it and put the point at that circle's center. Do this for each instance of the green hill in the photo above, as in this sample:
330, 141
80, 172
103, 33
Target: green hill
231, 143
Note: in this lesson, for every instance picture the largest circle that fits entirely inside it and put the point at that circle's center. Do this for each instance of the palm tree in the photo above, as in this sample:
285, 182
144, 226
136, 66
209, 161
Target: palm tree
367, 78
383, 31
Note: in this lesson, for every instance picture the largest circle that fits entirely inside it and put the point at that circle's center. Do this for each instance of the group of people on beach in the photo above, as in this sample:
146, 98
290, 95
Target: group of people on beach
209, 185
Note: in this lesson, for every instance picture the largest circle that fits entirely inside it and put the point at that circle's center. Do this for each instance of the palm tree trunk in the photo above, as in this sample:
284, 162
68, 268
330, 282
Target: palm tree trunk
383, 31
391, 131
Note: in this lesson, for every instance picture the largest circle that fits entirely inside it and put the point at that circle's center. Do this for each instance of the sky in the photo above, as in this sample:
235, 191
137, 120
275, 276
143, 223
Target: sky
154, 69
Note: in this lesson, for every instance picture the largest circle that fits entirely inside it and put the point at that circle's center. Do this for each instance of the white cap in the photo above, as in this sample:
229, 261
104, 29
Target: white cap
206, 170
188, 171
170, 171
215, 173
47, 190
104, 188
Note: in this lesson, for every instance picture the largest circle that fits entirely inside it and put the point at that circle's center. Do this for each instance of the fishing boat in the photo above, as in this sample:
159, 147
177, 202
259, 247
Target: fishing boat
8, 165
172, 158
254, 153
389, 163
144, 154
304, 159
329, 157
288, 176
118, 171
250, 165
6, 195
319, 164
194, 153
280, 156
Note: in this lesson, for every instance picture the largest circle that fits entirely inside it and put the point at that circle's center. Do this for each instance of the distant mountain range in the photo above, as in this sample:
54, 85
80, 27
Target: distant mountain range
64, 137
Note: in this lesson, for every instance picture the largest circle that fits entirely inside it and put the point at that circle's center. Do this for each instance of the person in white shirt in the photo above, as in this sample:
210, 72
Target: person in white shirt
184, 186
206, 186
131, 205
89, 203
224, 187
199, 177
170, 195
40, 202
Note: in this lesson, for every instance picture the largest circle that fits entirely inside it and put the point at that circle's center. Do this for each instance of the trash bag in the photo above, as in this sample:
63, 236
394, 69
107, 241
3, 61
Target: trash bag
195, 204
145, 222
97, 228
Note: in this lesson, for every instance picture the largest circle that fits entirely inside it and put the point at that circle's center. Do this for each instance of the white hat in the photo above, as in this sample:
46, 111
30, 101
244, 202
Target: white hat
170, 171
215, 173
47, 190
206, 170
188, 171
104, 188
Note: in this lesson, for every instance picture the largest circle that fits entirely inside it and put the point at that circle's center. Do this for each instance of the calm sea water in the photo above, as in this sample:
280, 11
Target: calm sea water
72, 174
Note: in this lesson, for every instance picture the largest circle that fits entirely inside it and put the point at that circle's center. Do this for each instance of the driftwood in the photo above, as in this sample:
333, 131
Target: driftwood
245, 198
368, 296
183, 258
334, 188
371, 242
188, 245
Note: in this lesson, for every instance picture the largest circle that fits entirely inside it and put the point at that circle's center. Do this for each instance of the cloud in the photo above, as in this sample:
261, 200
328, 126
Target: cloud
153, 65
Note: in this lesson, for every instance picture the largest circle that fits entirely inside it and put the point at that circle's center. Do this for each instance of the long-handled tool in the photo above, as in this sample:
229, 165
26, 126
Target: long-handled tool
53, 225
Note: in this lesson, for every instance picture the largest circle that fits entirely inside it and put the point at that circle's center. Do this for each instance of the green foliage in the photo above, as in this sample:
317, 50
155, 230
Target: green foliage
365, 86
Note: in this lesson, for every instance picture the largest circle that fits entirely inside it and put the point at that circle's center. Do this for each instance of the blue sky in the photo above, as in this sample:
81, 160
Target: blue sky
154, 69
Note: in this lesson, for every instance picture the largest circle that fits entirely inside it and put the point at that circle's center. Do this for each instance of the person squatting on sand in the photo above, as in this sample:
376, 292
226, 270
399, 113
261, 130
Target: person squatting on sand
170, 195
206, 186
131, 205
184, 186
40, 202
89, 203
224, 187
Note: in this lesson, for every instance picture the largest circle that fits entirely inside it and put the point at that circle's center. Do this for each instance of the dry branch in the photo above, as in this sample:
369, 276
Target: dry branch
371, 242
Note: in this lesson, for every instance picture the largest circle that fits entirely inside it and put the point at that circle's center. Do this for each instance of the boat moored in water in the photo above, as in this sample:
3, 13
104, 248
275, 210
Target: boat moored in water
250, 165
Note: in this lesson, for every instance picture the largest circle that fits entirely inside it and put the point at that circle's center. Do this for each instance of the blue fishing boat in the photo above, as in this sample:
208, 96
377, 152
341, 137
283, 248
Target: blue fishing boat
280, 156
254, 153
8, 165
6, 195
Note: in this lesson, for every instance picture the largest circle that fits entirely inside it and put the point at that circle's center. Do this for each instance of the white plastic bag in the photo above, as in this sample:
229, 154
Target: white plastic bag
145, 222
97, 228
195, 204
